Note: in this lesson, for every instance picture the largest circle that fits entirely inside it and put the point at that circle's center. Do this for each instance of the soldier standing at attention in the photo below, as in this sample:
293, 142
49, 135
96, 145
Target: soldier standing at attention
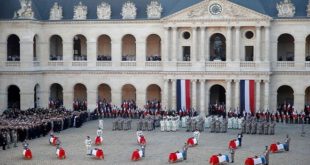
188, 124
239, 137
287, 142
232, 154
266, 154
272, 127
266, 128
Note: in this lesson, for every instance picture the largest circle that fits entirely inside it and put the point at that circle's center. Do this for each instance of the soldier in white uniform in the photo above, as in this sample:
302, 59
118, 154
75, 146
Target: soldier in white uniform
196, 135
99, 132
88, 145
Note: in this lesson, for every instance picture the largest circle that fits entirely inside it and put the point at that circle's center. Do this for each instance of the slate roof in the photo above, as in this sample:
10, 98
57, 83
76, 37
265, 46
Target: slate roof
42, 7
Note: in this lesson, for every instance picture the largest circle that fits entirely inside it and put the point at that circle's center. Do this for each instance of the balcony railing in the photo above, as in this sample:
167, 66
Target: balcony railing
215, 64
36, 63
184, 64
307, 64
153, 64
285, 64
103, 63
247, 64
12, 63
128, 63
55, 63
79, 63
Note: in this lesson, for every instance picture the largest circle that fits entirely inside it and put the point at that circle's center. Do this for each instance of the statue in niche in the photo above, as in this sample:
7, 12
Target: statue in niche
218, 48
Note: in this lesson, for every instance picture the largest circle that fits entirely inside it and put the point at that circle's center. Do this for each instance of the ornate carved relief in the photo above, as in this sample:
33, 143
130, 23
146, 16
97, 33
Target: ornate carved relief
25, 12
56, 12
286, 9
129, 10
154, 10
308, 9
104, 11
80, 12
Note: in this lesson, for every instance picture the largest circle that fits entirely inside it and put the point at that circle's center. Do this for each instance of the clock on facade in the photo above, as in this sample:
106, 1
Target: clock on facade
215, 9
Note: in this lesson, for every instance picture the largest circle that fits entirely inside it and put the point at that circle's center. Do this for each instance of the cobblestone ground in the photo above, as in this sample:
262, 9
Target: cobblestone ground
118, 146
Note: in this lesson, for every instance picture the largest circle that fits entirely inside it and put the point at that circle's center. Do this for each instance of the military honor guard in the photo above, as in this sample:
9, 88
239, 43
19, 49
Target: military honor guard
88, 143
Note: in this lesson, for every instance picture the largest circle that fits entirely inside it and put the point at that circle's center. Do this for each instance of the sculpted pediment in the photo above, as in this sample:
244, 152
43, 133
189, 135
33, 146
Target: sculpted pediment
216, 10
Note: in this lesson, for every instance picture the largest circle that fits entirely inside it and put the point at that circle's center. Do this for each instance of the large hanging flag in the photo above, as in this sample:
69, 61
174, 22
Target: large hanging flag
183, 95
247, 96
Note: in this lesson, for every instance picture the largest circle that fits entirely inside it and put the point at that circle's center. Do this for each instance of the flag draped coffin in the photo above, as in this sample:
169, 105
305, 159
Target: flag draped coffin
234, 144
247, 95
53, 140
27, 154
175, 156
61, 154
276, 148
98, 140
255, 161
216, 159
136, 155
98, 153
141, 140
192, 141
183, 94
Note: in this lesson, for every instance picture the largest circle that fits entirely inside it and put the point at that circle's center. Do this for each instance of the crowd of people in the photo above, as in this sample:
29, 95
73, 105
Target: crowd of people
129, 58
55, 103
13, 58
104, 58
17, 125
56, 58
80, 57
153, 58
79, 105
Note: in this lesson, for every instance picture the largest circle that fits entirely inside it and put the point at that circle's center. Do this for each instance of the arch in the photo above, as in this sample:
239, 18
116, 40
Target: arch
217, 47
128, 48
13, 48
286, 50
307, 96
36, 96
104, 48
217, 99
153, 48
56, 96
56, 48
153, 93
79, 48
129, 92
13, 97
104, 93
35, 47
307, 51
285, 97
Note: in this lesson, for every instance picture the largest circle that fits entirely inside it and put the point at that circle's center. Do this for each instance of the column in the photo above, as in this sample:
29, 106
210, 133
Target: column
300, 47
165, 96
194, 45
267, 44
68, 99
3, 100
91, 53
116, 95
26, 100
91, 100
166, 44
202, 98
237, 44
228, 44
237, 94
266, 94
207, 46
68, 52
202, 44
141, 97
116, 51
44, 97
258, 43
228, 95
3, 51
257, 97
174, 104
140, 52
43, 53
26, 53
174, 44
194, 94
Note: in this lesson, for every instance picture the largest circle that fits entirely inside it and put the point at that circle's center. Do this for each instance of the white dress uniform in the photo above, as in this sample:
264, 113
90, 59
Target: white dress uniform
196, 135
162, 125
100, 125
88, 145
99, 132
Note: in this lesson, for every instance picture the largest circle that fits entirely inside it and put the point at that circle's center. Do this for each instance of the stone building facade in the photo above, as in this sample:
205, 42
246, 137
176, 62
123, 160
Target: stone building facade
126, 50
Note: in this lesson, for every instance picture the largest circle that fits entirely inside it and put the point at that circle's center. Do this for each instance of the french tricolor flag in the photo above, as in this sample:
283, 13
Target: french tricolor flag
183, 94
247, 95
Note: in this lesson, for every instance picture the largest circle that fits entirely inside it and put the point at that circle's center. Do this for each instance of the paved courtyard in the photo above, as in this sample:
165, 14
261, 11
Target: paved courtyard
118, 146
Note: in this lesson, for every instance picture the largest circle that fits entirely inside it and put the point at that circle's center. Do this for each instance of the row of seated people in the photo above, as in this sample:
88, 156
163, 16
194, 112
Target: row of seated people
153, 58
13, 58
80, 57
129, 58
18, 125
104, 58
56, 57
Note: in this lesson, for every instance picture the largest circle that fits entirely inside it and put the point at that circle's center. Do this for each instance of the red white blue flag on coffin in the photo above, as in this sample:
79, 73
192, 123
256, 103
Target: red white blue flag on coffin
183, 95
247, 95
